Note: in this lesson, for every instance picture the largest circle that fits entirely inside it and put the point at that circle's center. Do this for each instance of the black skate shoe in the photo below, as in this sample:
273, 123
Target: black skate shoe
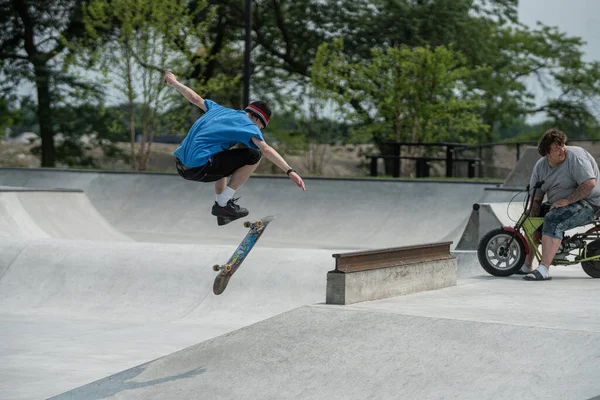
230, 212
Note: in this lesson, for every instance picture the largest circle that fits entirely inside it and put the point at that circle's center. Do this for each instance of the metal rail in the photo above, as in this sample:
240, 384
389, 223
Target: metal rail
391, 257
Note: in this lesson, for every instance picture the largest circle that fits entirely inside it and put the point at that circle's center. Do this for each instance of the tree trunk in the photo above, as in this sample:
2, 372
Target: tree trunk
386, 149
150, 139
131, 101
132, 135
143, 149
146, 155
42, 81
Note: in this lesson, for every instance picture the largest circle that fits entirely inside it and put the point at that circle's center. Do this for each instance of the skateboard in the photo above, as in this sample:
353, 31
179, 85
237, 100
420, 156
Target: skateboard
239, 255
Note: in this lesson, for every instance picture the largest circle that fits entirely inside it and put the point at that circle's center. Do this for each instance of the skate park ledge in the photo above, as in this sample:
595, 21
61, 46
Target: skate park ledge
378, 274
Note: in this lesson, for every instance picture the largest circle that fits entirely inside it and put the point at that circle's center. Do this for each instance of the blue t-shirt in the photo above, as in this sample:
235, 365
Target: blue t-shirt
219, 129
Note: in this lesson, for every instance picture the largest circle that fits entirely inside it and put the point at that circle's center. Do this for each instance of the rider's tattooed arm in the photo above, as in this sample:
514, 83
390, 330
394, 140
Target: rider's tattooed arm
582, 191
536, 207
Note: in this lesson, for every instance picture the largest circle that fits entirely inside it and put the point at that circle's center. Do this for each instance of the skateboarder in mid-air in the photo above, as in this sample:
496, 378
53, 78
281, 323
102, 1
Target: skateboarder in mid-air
206, 154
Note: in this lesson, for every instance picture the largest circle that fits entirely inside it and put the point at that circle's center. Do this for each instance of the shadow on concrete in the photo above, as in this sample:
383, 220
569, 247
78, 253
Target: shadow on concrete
115, 384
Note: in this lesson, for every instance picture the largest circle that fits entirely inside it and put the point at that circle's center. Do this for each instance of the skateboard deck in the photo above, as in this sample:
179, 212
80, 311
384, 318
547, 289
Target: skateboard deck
239, 255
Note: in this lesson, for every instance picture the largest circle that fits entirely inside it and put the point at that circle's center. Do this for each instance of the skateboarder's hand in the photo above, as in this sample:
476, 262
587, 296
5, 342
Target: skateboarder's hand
297, 180
169, 78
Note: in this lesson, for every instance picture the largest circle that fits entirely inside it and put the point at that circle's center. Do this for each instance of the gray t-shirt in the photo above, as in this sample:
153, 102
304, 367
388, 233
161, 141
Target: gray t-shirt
562, 180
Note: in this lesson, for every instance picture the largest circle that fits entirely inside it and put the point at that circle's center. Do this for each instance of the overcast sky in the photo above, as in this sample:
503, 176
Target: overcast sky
575, 17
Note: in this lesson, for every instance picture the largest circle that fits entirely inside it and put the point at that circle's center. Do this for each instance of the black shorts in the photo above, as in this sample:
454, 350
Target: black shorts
220, 165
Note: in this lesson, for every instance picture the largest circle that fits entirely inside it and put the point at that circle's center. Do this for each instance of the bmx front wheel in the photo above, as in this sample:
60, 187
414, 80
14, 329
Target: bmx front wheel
497, 256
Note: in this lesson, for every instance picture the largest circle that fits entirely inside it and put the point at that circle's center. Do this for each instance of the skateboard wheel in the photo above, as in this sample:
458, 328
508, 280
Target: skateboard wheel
247, 224
216, 267
259, 223
227, 268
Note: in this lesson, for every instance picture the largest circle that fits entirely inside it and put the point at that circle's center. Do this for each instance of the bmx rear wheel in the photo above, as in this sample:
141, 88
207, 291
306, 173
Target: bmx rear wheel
592, 268
497, 256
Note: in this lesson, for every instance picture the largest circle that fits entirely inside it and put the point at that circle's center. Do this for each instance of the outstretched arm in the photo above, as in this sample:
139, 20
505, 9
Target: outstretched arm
272, 155
188, 93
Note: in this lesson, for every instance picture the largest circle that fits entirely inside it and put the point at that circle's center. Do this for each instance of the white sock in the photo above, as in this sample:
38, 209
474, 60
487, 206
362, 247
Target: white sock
525, 269
543, 270
225, 196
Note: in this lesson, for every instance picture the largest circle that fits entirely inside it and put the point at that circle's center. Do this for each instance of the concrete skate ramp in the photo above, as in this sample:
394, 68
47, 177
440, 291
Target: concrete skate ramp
137, 281
496, 207
76, 311
501, 205
521, 173
467, 342
39, 214
96, 307
485, 217
341, 214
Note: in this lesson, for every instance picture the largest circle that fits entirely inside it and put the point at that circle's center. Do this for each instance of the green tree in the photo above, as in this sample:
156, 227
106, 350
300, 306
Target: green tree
288, 33
205, 40
415, 95
9, 115
135, 41
34, 36
486, 32
519, 57
86, 132
309, 131
127, 36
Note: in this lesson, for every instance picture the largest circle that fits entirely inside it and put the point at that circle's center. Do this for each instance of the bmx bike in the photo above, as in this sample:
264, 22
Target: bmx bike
502, 251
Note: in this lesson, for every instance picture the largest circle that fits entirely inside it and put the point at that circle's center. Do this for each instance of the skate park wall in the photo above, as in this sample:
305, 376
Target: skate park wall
335, 214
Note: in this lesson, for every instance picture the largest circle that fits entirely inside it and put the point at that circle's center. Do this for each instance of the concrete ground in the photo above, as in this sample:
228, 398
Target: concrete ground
94, 286
497, 338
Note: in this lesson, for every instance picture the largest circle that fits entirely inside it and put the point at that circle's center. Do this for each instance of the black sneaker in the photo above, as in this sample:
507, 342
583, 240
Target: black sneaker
224, 220
231, 211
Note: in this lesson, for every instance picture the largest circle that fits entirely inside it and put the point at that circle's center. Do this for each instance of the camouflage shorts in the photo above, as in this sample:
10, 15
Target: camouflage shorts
559, 220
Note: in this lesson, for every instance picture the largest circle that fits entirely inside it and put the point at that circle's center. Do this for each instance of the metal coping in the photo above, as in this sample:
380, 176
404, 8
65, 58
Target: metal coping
505, 189
24, 189
391, 257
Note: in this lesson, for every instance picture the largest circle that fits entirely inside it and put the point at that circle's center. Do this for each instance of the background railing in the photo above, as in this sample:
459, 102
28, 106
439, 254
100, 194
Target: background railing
457, 160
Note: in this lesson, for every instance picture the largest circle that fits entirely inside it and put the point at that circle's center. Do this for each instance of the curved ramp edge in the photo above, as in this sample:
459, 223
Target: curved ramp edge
31, 215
